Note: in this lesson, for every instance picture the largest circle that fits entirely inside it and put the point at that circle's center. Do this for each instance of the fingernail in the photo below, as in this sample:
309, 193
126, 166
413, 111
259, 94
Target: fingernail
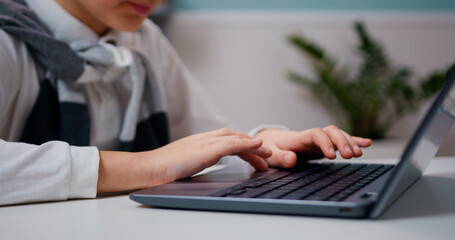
356, 148
348, 149
288, 160
257, 141
332, 151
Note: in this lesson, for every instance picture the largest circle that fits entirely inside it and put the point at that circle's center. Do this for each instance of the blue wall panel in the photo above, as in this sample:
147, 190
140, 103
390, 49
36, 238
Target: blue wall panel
401, 5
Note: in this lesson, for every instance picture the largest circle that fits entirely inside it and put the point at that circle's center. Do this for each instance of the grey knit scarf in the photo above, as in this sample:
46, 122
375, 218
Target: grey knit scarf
60, 111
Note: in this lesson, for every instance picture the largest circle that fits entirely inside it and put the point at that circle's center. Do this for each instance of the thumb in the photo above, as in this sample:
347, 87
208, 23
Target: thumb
282, 158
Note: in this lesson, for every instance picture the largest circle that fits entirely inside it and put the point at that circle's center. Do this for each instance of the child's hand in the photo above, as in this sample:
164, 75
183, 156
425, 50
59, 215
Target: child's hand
314, 143
192, 154
121, 171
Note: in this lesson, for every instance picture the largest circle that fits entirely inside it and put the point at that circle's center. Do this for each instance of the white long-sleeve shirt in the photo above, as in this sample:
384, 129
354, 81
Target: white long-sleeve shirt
56, 170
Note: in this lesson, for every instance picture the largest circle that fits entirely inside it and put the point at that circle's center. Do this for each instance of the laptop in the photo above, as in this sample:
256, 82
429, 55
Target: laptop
316, 188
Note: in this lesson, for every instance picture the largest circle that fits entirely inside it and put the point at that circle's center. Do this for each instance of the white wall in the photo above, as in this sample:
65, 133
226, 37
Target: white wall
241, 58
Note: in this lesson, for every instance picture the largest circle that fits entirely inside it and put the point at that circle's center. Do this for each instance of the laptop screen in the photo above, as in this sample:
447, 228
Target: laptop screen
423, 146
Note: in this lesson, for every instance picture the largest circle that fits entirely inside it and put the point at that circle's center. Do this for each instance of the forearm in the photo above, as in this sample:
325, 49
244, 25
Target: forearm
121, 171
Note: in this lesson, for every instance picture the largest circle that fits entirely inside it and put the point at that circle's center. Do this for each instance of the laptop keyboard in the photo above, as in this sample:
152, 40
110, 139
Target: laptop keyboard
324, 182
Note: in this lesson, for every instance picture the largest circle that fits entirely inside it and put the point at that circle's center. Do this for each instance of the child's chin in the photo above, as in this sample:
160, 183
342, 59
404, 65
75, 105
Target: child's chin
129, 29
132, 26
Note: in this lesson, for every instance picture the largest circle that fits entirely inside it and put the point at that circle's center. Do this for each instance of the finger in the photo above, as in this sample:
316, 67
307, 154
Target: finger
354, 147
232, 145
255, 161
262, 152
322, 140
282, 158
340, 141
363, 142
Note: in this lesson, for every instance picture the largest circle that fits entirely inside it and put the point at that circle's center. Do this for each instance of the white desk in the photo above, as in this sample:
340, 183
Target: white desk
425, 211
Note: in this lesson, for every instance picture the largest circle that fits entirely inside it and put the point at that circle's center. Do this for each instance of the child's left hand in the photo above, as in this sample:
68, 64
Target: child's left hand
313, 143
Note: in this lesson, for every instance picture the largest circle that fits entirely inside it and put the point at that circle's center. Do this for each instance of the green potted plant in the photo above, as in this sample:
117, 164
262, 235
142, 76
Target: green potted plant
369, 102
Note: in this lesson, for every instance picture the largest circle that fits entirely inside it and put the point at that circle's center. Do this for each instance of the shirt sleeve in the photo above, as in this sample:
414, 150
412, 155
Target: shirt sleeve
8, 74
48, 172
188, 106
31, 173
259, 128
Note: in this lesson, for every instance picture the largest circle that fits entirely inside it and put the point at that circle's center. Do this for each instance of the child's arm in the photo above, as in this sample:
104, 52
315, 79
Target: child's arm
48, 172
190, 155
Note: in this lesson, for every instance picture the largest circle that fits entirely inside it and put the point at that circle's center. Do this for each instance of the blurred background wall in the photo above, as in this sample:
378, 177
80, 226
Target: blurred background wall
237, 49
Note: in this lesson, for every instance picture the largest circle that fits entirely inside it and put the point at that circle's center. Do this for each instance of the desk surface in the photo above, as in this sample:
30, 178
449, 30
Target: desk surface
425, 211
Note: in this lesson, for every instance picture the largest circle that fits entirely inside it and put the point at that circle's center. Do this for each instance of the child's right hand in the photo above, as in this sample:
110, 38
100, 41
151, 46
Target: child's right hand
193, 154
126, 171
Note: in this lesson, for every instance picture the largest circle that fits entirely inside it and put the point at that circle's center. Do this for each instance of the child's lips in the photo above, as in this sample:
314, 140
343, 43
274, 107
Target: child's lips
139, 8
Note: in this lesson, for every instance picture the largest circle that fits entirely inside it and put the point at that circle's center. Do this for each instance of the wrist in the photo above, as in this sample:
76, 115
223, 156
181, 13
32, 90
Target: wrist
254, 132
154, 168
121, 171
